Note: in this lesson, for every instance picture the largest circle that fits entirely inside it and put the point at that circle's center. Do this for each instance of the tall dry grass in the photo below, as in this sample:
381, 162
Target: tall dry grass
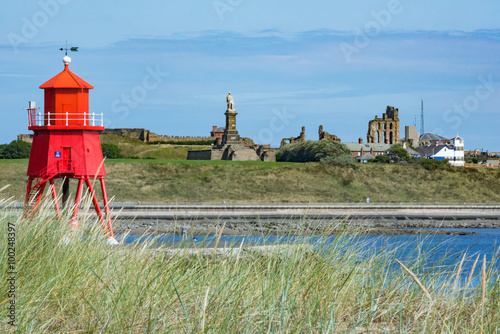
346, 285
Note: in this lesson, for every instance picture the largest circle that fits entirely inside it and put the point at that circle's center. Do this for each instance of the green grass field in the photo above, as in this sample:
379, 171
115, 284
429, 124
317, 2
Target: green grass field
244, 181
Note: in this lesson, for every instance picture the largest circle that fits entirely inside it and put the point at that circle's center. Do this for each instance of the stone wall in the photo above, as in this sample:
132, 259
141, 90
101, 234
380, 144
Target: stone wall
214, 154
138, 133
25, 137
323, 135
200, 155
267, 154
148, 136
155, 137
247, 154
236, 152
293, 140
217, 154
247, 141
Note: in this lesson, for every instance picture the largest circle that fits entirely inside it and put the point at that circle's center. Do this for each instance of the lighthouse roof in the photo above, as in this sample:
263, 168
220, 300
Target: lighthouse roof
66, 79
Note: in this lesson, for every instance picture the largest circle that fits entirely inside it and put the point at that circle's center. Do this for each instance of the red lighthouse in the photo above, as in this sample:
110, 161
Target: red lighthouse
66, 145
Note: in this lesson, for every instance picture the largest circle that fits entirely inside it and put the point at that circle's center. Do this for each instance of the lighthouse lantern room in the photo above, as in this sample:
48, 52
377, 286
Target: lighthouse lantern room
66, 145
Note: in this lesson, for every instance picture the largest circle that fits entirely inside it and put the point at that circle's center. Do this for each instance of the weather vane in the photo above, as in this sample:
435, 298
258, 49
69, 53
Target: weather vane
73, 48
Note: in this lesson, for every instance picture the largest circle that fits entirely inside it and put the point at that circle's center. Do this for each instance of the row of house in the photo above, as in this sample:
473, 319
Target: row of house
366, 151
434, 147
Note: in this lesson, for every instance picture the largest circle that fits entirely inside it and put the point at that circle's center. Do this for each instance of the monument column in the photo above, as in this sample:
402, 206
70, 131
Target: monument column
230, 136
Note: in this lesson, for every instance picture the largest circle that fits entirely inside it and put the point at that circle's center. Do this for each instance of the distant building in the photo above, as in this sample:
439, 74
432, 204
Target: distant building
365, 157
478, 153
412, 137
458, 159
360, 148
453, 151
412, 152
429, 138
25, 137
217, 132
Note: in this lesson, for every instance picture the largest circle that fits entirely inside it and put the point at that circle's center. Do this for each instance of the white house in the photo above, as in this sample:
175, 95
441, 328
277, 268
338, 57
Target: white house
453, 152
458, 158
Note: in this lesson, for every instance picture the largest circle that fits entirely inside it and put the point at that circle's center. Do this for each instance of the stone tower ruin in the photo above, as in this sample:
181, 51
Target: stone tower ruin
384, 130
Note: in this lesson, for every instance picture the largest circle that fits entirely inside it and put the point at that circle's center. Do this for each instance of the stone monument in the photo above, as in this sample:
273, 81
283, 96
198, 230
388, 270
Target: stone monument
231, 136
233, 147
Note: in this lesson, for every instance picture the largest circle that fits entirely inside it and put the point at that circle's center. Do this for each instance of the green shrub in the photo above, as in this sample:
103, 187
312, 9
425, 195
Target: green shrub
381, 159
17, 149
328, 152
111, 151
433, 164
345, 159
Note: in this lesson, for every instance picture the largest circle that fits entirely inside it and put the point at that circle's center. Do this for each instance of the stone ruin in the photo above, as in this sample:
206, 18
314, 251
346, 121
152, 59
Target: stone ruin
293, 140
323, 135
384, 130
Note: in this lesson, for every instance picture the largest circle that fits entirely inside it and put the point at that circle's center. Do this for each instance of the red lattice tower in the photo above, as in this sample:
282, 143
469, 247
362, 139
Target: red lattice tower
66, 145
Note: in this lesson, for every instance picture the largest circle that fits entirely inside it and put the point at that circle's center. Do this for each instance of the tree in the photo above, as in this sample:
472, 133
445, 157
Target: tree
381, 159
111, 151
17, 149
398, 153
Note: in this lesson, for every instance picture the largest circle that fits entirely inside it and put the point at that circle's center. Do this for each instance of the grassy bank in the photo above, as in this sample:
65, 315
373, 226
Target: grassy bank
131, 147
214, 181
87, 286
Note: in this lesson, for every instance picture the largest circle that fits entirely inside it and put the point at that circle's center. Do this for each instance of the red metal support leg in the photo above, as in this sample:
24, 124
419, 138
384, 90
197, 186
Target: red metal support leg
106, 208
54, 195
28, 190
74, 221
28, 196
39, 196
96, 203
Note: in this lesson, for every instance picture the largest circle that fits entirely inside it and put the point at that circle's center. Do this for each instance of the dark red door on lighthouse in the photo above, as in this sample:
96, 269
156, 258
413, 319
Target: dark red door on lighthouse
66, 156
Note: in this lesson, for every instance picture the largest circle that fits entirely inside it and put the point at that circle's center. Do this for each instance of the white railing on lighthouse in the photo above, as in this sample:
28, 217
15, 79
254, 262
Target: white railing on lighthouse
64, 119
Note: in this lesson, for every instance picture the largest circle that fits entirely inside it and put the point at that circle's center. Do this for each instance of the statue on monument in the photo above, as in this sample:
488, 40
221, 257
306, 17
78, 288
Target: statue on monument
230, 101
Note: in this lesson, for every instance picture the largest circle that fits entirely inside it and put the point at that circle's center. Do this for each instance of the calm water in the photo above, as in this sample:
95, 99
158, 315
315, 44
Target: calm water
445, 248
438, 253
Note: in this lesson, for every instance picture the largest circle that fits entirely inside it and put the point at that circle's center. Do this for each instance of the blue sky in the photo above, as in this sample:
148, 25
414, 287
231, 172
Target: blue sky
168, 65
